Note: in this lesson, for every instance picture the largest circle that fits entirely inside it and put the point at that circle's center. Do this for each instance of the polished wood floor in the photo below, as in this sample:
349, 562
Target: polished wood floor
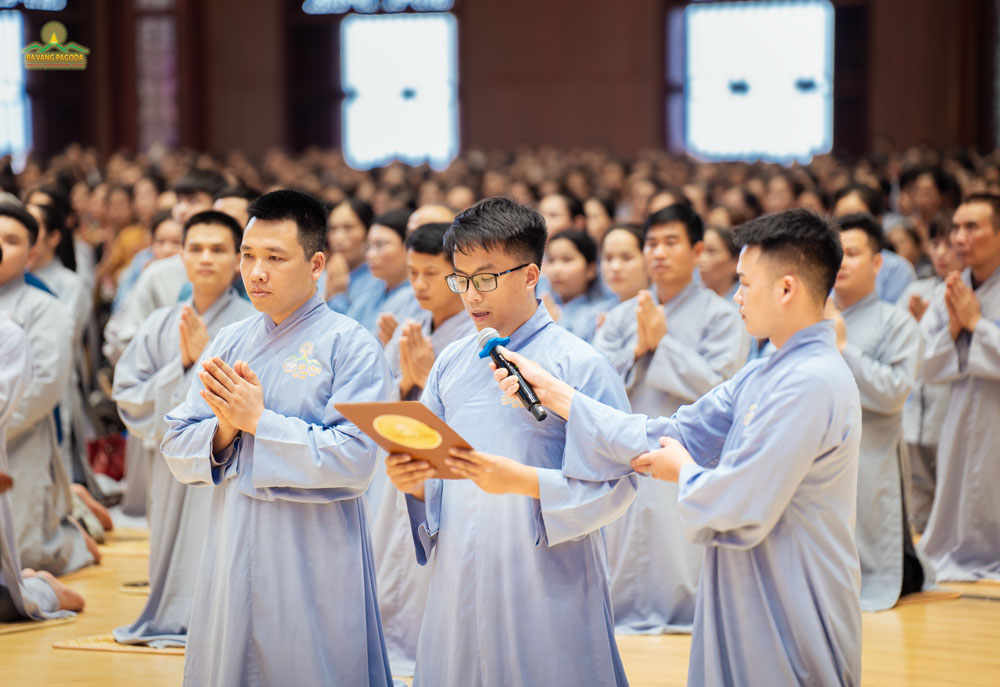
947, 643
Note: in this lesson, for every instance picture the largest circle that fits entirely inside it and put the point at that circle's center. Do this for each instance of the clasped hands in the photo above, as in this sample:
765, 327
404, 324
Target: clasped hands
964, 309
235, 396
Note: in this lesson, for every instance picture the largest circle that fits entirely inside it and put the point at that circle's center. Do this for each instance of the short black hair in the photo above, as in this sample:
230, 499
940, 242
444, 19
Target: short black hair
54, 218
245, 192
631, 228
606, 201
429, 239
362, 210
200, 181
308, 214
679, 212
800, 240
939, 228
581, 240
862, 221
395, 220
990, 199
17, 212
499, 223
874, 200
214, 217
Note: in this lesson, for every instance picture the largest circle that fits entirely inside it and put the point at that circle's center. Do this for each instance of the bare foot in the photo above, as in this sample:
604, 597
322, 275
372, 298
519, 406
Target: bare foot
6, 482
103, 516
89, 541
68, 599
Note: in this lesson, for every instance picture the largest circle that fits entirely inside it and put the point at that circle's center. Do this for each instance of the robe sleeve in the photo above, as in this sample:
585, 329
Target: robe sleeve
688, 372
289, 452
984, 350
147, 378
15, 368
571, 507
738, 503
605, 439
425, 516
51, 361
191, 427
885, 383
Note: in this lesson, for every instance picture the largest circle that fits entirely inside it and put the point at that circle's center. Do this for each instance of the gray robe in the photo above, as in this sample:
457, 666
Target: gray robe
402, 582
923, 417
31, 597
149, 381
883, 352
962, 538
654, 569
46, 538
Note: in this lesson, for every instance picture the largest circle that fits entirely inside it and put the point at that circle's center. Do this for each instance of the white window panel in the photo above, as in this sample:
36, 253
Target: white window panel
400, 79
759, 80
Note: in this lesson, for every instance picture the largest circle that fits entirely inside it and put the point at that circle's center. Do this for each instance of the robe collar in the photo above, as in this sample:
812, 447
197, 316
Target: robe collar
302, 312
681, 296
822, 332
967, 277
863, 303
212, 311
536, 323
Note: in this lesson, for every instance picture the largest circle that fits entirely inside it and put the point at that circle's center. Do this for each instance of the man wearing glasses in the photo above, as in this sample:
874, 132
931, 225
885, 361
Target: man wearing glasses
518, 590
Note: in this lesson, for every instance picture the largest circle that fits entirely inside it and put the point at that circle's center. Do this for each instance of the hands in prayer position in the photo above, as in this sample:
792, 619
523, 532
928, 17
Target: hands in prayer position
832, 312
416, 358
964, 310
386, 326
652, 324
236, 397
194, 336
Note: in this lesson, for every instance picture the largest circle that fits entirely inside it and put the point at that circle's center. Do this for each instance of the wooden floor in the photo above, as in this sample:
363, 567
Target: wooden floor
947, 643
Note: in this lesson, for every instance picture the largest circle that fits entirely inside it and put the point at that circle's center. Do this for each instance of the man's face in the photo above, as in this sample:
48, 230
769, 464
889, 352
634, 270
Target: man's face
210, 258
190, 204
119, 208
670, 258
501, 307
277, 275
167, 239
234, 207
759, 293
345, 234
856, 278
944, 257
17, 249
427, 277
553, 209
386, 254
975, 239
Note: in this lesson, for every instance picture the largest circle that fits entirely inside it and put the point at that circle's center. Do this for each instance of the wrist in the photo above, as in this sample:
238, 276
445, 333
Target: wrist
528, 482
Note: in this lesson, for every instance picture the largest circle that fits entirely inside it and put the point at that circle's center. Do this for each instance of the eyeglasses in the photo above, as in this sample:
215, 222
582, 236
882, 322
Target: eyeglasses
484, 281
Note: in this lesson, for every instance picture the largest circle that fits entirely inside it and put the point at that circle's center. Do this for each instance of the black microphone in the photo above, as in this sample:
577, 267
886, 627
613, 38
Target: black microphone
491, 344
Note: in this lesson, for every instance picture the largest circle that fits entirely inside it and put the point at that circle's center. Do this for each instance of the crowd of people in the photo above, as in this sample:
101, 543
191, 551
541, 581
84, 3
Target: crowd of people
130, 293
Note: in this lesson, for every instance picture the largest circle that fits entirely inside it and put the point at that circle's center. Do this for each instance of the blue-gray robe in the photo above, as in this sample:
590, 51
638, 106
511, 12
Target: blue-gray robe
402, 582
654, 569
883, 352
29, 598
149, 381
518, 592
286, 586
896, 274
772, 499
47, 538
962, 538
579, 316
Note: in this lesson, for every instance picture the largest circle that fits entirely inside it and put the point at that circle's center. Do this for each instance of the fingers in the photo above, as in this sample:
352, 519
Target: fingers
218, 369
394, 459
665, 441
246, 373
464, 468
217, 405
509, 386
467, 454
498, 373
643, 463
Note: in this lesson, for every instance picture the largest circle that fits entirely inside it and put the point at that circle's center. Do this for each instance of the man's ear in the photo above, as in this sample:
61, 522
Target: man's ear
877, 261
789, 287
53, 237
532, 272
317, 265
697, 248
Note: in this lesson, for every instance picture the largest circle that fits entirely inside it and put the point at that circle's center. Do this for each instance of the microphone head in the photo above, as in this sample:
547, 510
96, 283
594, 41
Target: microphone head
485, 335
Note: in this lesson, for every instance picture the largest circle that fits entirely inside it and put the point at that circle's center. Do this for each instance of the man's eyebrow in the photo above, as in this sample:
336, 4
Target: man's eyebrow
478, 270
